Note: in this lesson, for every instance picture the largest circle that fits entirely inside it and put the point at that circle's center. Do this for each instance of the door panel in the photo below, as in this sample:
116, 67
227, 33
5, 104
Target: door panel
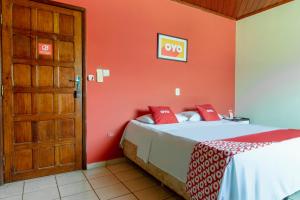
43, 119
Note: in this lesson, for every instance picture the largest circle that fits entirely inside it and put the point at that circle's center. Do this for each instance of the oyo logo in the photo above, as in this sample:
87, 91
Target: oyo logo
45, 47
173, 48
164, 111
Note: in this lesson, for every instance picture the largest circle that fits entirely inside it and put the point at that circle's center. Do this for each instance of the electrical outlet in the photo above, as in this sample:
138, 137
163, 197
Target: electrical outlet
177, 92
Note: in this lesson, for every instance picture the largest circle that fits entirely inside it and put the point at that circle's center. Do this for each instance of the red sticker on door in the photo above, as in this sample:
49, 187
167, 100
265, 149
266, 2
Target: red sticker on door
45, 49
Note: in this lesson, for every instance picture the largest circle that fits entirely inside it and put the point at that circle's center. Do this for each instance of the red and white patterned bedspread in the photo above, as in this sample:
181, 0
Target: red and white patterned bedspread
210, 159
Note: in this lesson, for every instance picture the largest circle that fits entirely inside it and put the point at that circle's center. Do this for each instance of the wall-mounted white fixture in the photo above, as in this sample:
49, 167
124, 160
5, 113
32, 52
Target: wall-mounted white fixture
177, 92
91, 77
110, 134
101, 73
106, 72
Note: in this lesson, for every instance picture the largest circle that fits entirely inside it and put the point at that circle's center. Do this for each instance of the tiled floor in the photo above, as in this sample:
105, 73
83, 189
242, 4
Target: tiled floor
122, 181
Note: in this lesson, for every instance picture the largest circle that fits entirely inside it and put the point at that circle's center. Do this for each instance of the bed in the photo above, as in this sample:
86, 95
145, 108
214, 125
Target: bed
271, 172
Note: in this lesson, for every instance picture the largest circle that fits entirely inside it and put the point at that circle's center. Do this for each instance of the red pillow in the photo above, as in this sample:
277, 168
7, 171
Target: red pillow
207, 112
163, 115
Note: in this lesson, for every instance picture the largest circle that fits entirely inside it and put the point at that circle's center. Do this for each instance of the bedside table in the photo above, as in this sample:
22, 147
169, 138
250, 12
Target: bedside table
241, 120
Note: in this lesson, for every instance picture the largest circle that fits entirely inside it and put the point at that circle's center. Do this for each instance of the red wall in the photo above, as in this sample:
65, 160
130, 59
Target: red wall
121, 36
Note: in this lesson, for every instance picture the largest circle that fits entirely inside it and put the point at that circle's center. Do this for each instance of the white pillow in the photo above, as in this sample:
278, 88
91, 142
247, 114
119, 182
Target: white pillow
181, 118
146, 119
149, 120
192, 116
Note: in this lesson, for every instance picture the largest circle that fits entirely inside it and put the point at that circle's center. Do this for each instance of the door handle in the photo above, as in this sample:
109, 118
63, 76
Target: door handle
77, 92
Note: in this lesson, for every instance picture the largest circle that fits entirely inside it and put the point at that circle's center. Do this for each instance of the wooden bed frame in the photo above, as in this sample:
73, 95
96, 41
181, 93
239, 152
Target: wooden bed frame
130, 151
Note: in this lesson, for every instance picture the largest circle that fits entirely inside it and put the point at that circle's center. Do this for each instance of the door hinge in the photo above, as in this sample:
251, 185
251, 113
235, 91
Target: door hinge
2, 90
1, 19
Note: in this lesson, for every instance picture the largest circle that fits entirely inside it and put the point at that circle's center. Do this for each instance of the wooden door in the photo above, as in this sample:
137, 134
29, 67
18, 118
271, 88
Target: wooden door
1, 121
42, 51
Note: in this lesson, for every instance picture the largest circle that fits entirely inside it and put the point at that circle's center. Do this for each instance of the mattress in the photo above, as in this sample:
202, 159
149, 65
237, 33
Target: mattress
247, 176
155, 143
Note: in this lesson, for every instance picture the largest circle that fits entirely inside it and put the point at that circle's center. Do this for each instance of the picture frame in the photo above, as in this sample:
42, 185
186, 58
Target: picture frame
172, 48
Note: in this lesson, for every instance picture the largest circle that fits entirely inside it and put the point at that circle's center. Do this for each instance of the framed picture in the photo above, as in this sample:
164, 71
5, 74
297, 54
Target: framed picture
171, 48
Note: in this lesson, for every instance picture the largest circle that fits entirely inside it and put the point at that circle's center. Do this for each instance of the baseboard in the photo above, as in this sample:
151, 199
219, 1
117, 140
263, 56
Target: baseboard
105, 163
96, 165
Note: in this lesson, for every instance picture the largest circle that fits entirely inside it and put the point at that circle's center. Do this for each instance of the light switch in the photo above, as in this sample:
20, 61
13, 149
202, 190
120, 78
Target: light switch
99, 75
177, 92
106, 72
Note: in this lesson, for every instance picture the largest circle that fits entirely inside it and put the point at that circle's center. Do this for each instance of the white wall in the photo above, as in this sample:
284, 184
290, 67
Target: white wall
268, 67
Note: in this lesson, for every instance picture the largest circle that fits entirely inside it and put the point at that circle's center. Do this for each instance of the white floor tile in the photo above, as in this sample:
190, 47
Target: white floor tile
90, 195
130, 175
112, 191
50, 193
97, 172
120, 167
74, 188
126, 197
18, 197
104, 181
11, 189
44, 178
71, 177
114, 183
37, 184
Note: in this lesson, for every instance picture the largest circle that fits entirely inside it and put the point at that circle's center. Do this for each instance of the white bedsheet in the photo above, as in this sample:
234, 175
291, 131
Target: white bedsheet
169, 147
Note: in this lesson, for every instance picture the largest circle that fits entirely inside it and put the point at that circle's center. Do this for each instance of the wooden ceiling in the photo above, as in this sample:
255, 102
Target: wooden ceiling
234, 9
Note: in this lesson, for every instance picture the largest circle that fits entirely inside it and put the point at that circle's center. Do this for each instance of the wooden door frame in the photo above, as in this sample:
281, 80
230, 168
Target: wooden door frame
1, 111
83, 11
